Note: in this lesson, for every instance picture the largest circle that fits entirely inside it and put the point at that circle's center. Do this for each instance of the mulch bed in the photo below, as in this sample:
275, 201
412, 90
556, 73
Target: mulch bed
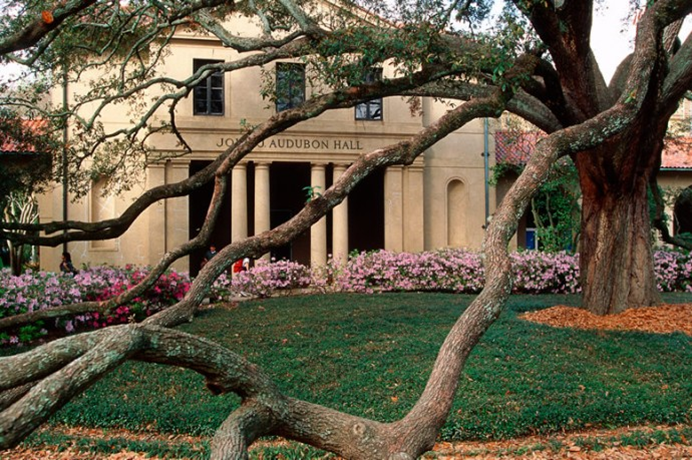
663, 319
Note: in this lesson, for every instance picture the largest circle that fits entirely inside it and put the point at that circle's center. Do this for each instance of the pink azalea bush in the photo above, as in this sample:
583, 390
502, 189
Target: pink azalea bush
459, 270
43, 290
265, 279
543, 272
673, 271
448, 270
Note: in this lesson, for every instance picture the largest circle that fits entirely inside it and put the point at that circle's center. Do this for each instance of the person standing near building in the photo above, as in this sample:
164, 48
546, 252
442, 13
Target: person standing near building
66, 264
211, 252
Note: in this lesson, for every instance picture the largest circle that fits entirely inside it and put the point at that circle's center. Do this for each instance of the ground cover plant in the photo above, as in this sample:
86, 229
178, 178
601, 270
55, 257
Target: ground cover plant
370, 354
40, 290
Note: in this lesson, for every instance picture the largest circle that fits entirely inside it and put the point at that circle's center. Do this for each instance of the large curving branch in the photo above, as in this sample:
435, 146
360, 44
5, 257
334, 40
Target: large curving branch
522, 103
240, 43
262, 400
220, 168
199, 241
679, 79
404, 152
54, 391
343, 98
47, 25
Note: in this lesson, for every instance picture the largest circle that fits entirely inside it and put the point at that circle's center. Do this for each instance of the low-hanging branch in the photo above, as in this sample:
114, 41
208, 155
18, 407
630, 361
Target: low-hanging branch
402, 153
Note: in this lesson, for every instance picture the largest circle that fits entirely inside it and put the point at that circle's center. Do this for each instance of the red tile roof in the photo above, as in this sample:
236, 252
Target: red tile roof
516, 147
10, 143
677, 154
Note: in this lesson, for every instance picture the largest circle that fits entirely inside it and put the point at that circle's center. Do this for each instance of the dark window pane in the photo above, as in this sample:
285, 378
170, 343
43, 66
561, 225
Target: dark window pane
372, 109
216, 107
216, 80
290, 85
208, 95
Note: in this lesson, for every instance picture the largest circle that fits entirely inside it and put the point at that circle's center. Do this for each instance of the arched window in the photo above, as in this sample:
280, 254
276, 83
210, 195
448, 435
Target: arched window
456, 214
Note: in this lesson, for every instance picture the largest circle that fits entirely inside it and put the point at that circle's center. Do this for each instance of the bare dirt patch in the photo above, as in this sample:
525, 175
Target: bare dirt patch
556, 447
567, 446
663, 319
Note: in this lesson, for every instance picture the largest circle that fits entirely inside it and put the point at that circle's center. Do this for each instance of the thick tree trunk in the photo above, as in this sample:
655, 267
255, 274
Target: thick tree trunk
616, 258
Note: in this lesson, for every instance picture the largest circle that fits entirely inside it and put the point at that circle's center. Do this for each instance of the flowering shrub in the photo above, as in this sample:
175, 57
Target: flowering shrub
264, 279
458, 270
445, 270
673, 271
43, 290
449, 270
542, 272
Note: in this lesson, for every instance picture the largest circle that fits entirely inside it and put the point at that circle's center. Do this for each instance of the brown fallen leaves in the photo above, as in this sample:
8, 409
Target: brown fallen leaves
528, 448
539, 448
663, 319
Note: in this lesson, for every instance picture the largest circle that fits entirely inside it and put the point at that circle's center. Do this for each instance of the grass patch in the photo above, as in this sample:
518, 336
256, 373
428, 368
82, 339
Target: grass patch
371, 356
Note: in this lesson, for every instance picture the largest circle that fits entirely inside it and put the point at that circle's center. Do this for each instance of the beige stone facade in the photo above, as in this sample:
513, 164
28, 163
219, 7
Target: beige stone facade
441, 200
436, 202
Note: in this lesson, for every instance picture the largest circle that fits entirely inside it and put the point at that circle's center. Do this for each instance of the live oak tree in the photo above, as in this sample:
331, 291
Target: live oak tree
538, 64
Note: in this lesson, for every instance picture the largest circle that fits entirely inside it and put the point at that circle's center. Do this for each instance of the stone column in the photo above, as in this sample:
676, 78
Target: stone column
393, 209
414, 240
318, 232
262, 201
340, 223
177, 215
156, 176
239, 203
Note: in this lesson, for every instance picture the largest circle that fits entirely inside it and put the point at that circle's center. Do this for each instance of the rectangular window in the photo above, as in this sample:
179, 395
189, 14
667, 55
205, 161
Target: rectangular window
208, 98
290, 85
372, 109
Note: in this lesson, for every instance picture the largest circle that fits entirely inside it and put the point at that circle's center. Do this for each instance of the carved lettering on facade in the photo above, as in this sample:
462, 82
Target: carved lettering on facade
300, 144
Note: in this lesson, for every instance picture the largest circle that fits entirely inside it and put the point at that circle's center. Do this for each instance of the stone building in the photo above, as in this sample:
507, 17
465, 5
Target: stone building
440, 200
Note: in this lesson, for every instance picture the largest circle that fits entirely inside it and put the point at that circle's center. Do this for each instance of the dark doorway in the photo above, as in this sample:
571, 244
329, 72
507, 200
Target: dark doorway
683, 212
287, 182
366, 214
197, 209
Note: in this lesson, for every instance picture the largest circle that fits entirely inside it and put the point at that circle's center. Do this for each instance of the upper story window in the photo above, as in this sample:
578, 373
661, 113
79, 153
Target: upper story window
208, 94
290, 85
372, 109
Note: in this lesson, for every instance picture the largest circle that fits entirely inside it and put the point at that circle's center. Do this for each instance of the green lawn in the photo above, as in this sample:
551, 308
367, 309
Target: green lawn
370, 355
